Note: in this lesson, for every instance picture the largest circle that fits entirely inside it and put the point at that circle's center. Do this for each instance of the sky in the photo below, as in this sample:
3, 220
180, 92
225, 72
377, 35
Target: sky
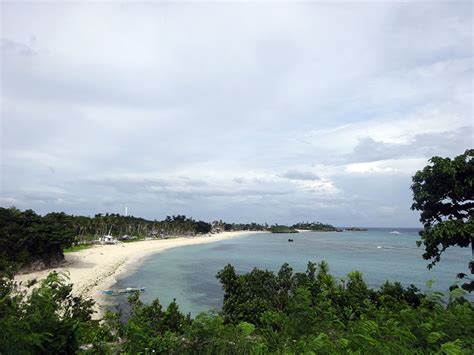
266, 112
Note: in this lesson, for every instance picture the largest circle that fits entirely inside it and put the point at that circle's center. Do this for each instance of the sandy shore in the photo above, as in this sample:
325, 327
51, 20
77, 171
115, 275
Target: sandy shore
95, 269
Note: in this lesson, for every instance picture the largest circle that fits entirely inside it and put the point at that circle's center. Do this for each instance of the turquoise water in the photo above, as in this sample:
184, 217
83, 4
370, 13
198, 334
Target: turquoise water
188, 273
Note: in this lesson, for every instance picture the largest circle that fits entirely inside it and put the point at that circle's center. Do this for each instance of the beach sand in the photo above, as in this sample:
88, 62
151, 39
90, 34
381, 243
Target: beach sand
96, 269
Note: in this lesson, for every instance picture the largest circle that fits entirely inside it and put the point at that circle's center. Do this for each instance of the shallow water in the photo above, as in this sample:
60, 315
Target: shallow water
188, 273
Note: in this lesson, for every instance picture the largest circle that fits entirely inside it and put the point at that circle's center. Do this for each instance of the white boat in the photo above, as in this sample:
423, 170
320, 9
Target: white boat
107, 239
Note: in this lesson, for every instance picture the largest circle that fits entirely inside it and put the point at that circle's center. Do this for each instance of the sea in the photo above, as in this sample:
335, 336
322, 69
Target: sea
188, 274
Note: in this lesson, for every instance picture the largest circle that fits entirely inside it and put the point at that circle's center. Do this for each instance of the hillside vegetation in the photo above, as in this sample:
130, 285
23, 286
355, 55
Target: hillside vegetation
263, 313
28, 239
31, 241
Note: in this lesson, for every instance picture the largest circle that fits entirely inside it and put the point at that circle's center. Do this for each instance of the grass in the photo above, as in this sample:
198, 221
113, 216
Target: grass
75, 248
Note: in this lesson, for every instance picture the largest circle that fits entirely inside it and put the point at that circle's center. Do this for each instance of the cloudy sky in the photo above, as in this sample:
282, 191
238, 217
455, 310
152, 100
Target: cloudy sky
276, 112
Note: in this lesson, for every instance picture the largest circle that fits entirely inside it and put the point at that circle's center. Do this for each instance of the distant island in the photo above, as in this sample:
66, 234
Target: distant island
282, 229
316, 227
304, 226
356, 229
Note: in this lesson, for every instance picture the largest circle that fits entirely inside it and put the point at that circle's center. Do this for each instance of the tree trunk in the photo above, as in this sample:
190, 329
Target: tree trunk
471, 264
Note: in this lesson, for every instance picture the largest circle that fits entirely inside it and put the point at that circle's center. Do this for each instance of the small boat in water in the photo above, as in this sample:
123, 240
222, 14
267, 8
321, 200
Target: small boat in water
290, 240
123, 291
395, 232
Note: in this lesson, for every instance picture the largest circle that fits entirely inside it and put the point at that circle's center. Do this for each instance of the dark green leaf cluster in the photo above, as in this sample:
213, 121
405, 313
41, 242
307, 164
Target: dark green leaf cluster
306, 312
311, 312
444, 193
263, 313
277, 228
27, 238
46, 318
223, 226
89, 228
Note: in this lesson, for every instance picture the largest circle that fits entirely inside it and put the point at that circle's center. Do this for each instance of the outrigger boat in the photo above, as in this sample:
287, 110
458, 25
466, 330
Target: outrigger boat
123, 291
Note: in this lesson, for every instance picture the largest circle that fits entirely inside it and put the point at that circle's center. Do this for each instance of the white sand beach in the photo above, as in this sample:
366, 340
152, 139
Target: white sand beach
95, 269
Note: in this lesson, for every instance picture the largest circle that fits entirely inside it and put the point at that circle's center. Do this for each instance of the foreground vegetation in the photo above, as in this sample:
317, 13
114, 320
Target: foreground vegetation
263, 312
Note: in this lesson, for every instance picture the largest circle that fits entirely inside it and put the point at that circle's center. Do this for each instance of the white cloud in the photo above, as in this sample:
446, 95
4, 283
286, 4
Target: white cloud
401, 129
220, 110
8, 201
300, 175
403, 166
387, 211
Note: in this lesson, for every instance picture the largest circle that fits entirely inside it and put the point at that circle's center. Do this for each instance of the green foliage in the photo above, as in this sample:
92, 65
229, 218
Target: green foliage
30, 240
77, 247
315, 226
223, 226
276, 228
26, 237
47, 319
287, 313
311, 312
444, 193
88, 228
150, 328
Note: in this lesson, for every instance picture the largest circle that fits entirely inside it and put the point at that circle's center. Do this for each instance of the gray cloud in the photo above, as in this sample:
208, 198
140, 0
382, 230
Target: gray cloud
422, 145
322, 111
16, 49
300, 175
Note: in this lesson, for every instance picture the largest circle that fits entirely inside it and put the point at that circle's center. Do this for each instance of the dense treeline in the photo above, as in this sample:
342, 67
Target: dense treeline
118, 225
278, 228
30, 239
315, 226
263, 312
312, 226
223, 226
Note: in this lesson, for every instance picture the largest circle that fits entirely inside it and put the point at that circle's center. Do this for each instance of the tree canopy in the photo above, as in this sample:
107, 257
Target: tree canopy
444, 193
315, 226
30, 240
26, 238
287, 312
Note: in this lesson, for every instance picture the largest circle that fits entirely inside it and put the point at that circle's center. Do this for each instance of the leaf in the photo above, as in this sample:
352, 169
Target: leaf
246, 328
434, 337
458, 293
452, 347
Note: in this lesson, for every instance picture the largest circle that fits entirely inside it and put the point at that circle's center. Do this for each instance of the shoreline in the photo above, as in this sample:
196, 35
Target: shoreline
95, 269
